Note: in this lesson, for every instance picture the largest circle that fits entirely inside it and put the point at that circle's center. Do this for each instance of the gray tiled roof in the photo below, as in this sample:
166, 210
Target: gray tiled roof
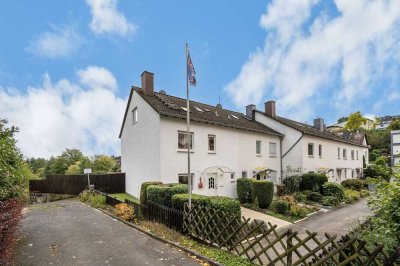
171, 106
310, 130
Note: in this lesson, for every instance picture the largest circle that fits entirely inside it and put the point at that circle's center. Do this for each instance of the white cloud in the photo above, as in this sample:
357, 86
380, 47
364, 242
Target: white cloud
59, 42
60, 115
106, 19
308, 52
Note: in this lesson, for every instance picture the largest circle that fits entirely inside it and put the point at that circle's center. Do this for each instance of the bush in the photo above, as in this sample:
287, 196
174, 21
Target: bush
333, 189
330, 201
364, 193
292, 184
225, 204
281, 206
264, 191
289, 199
377, 171
125, 212
162, 194
280, 190
300, 197
313, 181
93, 199
351, 196
314, 196
243, 189
143, 191
298, 211
356, 184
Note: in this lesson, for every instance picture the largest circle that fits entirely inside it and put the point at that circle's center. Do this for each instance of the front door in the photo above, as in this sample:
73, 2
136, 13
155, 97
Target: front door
212, 184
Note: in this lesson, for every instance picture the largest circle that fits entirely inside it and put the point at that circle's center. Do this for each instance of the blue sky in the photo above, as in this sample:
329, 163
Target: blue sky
66, 67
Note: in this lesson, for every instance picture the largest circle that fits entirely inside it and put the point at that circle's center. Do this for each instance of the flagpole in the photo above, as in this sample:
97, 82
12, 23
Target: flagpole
188, 128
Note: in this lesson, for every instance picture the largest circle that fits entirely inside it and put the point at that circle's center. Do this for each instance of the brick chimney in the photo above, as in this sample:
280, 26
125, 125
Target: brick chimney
270, 109
319, 124
249, 110
148, 82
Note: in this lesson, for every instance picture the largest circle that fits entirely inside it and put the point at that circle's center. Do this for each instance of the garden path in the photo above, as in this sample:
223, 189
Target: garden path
248, 213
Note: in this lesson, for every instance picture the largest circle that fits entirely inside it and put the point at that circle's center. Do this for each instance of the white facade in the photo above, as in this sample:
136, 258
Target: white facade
296, 158
149, 152
395, 147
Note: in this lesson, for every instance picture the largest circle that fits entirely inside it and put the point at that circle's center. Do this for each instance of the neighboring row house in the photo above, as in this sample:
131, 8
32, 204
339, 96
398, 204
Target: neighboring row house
224, 144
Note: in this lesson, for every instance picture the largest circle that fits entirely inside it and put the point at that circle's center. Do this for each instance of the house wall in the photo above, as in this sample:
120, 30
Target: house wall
140, 146
330, 159
395, 141
292, 159
235, 149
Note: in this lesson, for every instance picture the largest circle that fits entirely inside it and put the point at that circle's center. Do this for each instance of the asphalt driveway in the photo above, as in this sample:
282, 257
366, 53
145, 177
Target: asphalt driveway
335, 222
68, 232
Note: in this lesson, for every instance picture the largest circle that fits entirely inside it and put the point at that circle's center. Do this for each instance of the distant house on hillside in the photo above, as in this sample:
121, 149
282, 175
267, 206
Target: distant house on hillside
395, 147
385, 121
225, 144
339, 127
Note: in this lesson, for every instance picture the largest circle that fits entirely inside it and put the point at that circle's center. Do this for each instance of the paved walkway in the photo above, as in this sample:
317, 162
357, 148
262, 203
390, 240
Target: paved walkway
248, 213
337, 222
71, 233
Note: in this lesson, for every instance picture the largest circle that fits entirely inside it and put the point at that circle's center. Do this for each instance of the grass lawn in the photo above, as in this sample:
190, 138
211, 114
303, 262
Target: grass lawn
123, 196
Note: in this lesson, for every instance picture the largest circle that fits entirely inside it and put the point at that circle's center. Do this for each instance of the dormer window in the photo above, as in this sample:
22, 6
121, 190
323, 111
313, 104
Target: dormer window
134, 115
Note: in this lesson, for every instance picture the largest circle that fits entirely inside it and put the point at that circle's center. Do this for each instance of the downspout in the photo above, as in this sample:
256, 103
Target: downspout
302, 135
280, 152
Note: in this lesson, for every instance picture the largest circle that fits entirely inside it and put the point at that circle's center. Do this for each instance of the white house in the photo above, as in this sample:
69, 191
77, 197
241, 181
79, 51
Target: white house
395, 147
308, 148
224, 144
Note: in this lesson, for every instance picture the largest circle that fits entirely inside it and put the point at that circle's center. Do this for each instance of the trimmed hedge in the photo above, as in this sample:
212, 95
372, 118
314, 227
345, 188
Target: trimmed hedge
330, 201
264, 191
333, 189
292, 184
143, 194
356, 184
162, 194
313, 181
226, 204
281, 206
243, 189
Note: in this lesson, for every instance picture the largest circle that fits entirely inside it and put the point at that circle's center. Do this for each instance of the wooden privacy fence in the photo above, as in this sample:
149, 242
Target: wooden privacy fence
263, 244
75, 184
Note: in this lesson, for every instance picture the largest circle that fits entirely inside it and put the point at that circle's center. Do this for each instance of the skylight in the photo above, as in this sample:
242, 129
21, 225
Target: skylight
248, 118
184, 109
198, 109
234, 116
216, 113
206, 110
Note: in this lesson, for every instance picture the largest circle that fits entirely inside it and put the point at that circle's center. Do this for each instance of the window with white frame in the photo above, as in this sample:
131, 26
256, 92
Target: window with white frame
272, 149
338, 153
320, 150
183, 178
345, 154
258, 147
211, 143
352, 154
232, 176
183, 140
244, 174
310, 149
134, 115
357, 155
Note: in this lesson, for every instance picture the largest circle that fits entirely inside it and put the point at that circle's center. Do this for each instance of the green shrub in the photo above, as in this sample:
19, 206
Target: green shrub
143, 192
378, 171
289, 199
292, 184
314, 196
364, 193
351, 196
84, 196
333, 189
225, 204
356, 184
280, 190
243, 189
313, 181
281, 206
298, 211
162, 194
264, 191
300, 197
330, 201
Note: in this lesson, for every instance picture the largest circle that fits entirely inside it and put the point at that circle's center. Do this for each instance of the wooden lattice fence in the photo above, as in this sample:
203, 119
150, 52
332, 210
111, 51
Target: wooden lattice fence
263, 244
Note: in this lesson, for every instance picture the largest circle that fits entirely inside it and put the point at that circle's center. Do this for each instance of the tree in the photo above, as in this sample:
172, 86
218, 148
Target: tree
74, 169
342, 119
13, 182
104, 164
378, 139
394, 125
355, 121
